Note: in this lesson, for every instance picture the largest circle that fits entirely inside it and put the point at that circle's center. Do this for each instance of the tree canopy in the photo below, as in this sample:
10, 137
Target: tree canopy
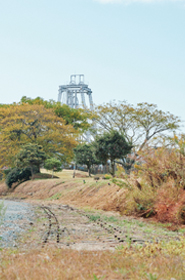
32, 156
85, 154
138, 124
78, 118
111, 146
53, 164
24, 123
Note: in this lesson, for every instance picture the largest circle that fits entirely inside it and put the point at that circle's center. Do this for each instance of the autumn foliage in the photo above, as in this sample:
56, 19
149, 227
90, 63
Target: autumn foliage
24, 123
160, 191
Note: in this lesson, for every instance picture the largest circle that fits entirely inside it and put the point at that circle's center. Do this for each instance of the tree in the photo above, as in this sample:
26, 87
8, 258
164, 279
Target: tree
53, 164
78, 118
22, 124
85, 154
153, 122
137, 124
111, 146
32, 156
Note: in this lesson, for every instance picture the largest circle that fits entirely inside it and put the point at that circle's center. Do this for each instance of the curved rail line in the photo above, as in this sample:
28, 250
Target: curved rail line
117, 232
51, 216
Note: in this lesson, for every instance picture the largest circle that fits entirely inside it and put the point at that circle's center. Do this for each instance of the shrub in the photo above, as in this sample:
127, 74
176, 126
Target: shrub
6, 171
17, 175
122, 183
162, 188
140, 202
107, 177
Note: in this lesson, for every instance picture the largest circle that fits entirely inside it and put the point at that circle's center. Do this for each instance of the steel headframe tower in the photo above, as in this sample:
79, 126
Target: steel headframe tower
70, 94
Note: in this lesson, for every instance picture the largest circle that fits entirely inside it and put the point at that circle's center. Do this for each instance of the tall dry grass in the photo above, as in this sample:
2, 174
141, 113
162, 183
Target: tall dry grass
161, 190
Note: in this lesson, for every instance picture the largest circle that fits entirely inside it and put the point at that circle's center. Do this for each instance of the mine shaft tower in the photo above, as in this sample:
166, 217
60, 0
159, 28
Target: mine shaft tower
75, 93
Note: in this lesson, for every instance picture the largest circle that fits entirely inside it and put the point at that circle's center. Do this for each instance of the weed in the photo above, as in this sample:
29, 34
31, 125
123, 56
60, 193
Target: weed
2, 212
122, 184
56, 196
94, 218
151, 276
96, 278
111, 219
107, 177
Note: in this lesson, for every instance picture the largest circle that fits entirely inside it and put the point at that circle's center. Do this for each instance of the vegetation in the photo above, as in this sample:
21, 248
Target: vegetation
25, 123
17, 175
34, 129
78, 118
137, 124
53, 164
159, 185
111, 146
85, 154
2, 211
140, 125
31, 156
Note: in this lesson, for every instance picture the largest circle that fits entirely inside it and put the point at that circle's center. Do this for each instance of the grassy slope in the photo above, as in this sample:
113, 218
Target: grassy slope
99, 195
155, 261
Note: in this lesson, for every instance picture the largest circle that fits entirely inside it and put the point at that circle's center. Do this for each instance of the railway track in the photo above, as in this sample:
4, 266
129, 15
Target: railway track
55, 226
53, 221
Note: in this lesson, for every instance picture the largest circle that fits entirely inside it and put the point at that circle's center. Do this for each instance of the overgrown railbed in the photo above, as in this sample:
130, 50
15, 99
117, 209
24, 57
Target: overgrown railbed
114, 247
96, 253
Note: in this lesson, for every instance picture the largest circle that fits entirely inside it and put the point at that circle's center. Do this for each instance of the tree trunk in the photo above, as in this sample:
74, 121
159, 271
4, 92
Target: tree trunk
31, 172
112, 168
89, 170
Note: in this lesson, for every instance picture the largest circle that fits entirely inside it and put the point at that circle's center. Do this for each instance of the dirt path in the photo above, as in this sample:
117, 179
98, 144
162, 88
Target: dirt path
63, 226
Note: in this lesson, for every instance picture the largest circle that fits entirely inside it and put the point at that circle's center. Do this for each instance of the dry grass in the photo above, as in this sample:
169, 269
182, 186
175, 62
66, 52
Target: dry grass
151, 262
161, 188
3, 188
128, 263
67, 174
73, 191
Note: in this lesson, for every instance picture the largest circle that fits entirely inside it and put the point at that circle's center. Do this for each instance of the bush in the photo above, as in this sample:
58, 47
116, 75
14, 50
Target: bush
6, 171
107, 177
17, 175
161, 189
140, 202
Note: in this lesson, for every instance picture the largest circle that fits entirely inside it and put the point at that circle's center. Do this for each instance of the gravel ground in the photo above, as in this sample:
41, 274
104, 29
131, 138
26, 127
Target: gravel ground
18, 218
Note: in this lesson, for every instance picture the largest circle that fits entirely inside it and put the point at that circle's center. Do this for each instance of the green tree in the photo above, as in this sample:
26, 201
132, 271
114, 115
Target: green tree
53, 164
85, 154
32, 156
111, 146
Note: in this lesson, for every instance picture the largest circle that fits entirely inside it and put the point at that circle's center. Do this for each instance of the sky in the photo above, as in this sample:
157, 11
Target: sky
131, 50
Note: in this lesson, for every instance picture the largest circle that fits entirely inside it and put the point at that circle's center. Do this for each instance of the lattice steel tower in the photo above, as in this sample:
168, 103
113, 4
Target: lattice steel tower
75, 93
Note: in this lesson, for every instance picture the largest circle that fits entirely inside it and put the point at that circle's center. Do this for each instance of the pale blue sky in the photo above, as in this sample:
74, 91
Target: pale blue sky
127, 50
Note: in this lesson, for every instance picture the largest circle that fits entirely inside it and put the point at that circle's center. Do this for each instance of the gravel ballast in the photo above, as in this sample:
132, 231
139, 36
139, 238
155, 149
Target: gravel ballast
18, 218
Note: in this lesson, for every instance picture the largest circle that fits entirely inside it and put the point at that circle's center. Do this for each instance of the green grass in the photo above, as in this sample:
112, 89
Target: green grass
132, 228
56, 196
